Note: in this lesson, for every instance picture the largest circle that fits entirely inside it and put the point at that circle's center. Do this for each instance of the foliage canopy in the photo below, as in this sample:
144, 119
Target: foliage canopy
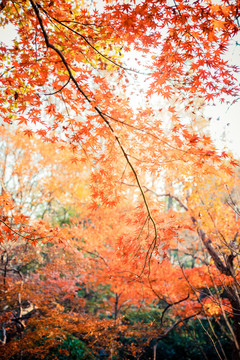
114, 200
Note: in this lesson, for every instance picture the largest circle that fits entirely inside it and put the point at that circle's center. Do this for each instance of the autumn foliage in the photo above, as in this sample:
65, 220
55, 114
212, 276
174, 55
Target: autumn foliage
119, 217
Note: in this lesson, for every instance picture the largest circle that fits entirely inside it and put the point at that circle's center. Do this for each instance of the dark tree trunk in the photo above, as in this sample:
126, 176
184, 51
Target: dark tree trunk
236, 327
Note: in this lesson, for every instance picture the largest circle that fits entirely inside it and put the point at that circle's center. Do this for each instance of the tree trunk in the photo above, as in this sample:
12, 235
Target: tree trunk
235, 328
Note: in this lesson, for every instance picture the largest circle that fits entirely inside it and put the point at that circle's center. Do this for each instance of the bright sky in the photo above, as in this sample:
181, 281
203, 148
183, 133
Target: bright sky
225, 123
225, 126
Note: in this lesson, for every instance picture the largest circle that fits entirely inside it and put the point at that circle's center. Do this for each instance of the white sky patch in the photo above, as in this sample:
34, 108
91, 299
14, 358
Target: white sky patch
8, 34
225, 126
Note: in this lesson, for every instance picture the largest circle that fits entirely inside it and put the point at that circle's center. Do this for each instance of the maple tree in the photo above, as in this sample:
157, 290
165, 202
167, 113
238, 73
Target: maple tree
145, 187
111, 258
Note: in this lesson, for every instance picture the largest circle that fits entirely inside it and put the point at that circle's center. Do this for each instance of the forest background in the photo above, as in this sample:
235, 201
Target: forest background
119, 223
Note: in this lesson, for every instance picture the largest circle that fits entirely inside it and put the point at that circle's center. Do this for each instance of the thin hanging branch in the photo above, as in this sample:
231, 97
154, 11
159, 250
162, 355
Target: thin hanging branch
104, 118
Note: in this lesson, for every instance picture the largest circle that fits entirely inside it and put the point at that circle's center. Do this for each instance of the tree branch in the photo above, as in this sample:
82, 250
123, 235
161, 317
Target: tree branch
170, 305
102, 115
226, 270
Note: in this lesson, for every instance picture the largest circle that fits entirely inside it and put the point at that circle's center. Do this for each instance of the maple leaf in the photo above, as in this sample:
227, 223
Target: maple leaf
22, 120
74, 160
194, 139
28, 132
217, 24
209, 96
